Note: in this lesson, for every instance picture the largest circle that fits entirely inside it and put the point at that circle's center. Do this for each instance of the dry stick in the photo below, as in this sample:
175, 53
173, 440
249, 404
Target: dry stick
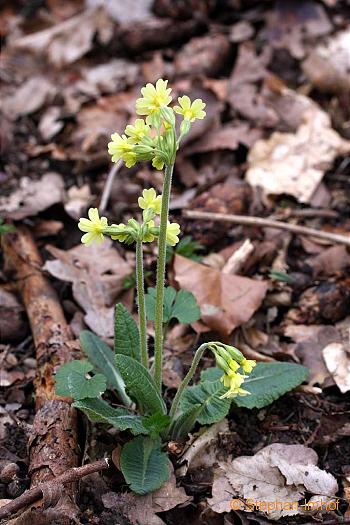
36, 493
53, 443
268, 223
108, 186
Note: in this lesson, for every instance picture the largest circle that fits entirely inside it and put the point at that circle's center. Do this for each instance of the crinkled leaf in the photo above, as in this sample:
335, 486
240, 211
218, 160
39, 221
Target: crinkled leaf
156, 423
103, 358
144, 465
72, 380
269, 381
140, 385
99, 411
126, 333
211, 374
180, 305
207, 394
185, 422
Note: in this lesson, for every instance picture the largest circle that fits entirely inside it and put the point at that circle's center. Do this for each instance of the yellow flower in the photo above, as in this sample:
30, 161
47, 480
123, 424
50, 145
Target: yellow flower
248, 365
149, 199
190, 111
138, 131
94, 227
233, 381
153, 97
157, 163
172, 232
121, 148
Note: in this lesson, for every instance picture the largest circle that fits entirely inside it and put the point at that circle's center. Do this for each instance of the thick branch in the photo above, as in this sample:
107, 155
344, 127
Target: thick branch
36, 493
53, 443
268, 223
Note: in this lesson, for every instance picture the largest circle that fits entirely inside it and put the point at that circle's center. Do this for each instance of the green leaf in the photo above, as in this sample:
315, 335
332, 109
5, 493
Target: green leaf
103, 358
269, 381
180, 305
207, 394
276, 275
72, 381
185, 422
140, 385
187, 248
126, 333
156, 423
99, 411
144, 465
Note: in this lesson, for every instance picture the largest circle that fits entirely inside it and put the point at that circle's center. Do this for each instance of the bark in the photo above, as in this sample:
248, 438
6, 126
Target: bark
53, 443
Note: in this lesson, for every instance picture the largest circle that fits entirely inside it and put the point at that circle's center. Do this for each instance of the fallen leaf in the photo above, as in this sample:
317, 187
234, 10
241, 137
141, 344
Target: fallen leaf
204, 55
311, 340
294, 163
77, 201
330, 261
66, 42
29, 97
12, 325
110, 77
226, 301
97, 273
32, 196
50, 123
228, 137
143, 509
277, 472
337, 359
126, 11
328, 65
291, 24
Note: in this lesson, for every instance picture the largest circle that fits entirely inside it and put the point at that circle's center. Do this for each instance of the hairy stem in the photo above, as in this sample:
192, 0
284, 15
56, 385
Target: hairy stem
158, 343
141, 303
197, 357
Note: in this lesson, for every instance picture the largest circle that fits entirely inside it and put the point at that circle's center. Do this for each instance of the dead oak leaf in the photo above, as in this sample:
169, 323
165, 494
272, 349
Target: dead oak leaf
228, 137
226, 301
32, 196
143, 509
67, 41
97, 273
29, 97
337, 359
294, 163
277, 472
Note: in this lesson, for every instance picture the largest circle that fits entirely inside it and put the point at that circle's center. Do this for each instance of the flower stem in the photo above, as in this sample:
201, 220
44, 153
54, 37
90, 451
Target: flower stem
158, 343
141, 303
197, 357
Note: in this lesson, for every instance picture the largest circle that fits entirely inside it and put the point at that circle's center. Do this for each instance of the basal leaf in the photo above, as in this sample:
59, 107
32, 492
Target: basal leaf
72, 380
269, 381
140, 385
156, 423
101, 412
211, 374
144, 465
126, 333
207, 394
103, 358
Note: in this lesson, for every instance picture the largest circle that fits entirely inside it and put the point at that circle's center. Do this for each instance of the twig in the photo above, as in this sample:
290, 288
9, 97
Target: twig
108, 186
268, 223
36, 493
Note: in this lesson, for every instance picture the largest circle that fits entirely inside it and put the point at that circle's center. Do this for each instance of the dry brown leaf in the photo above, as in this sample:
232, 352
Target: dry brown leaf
143, 509
125, 11
97, 273
68, 41
29, 97
337, 359
50, 123
328, 66
110, 77
294, 163
330, 261
32, 196
277, 472
77, 200
226, 301
228, 137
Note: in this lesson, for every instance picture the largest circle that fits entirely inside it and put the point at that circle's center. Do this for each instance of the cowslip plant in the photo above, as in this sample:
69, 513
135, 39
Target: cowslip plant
126, 370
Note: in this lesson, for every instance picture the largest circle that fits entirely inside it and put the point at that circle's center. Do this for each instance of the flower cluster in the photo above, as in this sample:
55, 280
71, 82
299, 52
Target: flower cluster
96, 227
230, 360
155, 139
